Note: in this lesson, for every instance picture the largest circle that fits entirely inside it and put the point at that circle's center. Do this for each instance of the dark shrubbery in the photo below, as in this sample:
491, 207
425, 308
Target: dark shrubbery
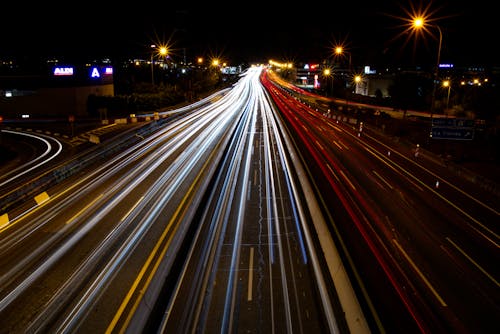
123, 105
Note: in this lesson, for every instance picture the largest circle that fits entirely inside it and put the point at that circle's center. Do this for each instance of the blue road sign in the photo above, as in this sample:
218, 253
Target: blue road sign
452, 133
453, 122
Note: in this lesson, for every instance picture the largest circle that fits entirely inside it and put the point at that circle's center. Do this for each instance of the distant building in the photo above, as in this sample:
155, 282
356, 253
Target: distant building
61, 90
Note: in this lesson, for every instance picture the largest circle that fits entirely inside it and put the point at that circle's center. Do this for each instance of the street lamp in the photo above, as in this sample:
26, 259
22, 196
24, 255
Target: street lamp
339, 50
419, 23
327, 74
162, 51
357, 80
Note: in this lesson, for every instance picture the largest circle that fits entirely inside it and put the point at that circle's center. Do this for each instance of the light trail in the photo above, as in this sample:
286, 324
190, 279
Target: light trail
25, 168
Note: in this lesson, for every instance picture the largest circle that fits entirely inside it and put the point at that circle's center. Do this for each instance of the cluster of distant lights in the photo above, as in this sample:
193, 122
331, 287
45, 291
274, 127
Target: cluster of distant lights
473, 82
368, 70
98, 72
280, 65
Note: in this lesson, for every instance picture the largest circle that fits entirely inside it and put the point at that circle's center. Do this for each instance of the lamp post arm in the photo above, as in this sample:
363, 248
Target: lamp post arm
439, 47
152, 71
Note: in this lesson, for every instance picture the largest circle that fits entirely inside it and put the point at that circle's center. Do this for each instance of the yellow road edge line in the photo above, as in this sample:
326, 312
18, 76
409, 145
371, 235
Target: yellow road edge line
385, 181
347, 179
127, 298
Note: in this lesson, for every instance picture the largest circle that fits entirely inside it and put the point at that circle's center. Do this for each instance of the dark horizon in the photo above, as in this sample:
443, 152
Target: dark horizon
372, 33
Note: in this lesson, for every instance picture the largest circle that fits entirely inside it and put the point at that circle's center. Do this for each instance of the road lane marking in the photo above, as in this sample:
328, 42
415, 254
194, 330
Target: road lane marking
250, 275
473, 262
85, 208
422, 276
132, 208
343, 145
338, 145
319, 145
385, 181
333, 173
347, 179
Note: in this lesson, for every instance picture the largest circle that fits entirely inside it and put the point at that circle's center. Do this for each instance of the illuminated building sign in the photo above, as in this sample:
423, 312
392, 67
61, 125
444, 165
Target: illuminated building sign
97, 72
445, 65
368, 70
63, 71
312, 67
94, 73
316, 81
77, 75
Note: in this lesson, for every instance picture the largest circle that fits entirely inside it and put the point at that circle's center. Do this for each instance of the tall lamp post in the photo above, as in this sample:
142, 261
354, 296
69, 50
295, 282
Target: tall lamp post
162, 51
357, 80
340, 51
327, 74
152, 64
447, 84
419, 23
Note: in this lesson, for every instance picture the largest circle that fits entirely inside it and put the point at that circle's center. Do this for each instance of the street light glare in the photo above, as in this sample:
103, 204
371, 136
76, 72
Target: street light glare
418, 22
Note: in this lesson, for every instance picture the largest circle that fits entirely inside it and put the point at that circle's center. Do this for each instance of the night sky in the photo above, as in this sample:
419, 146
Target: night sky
372, 31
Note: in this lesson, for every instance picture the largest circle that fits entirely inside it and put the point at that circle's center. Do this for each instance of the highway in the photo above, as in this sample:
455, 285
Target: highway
422, 243
202, 224
250, 211
254, 260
